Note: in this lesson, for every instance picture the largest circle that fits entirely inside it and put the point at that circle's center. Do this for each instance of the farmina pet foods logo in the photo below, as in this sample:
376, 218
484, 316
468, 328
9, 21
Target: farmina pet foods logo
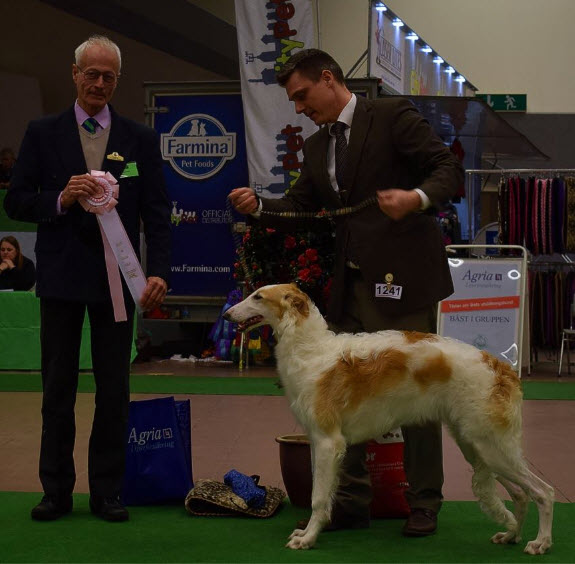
198, 146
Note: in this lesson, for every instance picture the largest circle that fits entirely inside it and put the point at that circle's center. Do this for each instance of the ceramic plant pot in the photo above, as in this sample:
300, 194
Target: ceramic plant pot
295, 463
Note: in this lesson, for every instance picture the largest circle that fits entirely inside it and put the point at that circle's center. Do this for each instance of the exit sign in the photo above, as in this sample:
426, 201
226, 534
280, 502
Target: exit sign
505, 102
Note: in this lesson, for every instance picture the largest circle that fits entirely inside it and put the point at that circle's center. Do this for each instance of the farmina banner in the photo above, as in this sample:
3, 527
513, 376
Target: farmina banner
269, 33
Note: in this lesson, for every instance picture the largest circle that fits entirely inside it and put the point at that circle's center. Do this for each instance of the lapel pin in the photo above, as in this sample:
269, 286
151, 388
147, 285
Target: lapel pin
115, 156
389, 280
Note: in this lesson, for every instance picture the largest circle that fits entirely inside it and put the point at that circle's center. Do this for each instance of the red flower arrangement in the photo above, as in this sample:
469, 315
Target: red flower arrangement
273, 257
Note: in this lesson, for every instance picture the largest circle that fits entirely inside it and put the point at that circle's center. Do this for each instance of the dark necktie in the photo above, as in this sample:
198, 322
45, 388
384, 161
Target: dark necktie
338, 128
90, 125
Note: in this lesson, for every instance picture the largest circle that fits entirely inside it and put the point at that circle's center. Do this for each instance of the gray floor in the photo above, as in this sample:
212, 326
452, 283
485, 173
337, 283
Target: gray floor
239, 432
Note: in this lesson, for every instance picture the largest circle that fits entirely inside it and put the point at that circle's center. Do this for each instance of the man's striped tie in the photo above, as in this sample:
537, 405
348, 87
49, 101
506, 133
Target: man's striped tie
338, 128
90, 125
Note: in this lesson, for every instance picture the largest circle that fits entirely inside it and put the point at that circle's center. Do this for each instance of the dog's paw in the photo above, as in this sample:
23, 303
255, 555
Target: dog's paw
299, 542
508, 537
538, 546
297, 533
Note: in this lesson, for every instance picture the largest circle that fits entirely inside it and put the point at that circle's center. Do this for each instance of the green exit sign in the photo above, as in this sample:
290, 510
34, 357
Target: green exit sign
505, 102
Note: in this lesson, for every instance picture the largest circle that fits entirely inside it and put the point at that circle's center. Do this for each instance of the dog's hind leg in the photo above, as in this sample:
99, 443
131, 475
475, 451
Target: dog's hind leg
542, 494
507, 462
327, 452
520, 505
484, 487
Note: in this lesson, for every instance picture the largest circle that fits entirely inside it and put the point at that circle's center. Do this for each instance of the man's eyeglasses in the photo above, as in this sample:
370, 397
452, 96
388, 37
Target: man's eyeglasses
93, 75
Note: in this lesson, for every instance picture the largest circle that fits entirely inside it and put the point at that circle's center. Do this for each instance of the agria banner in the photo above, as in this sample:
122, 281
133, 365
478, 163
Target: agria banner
269, 33
203, 146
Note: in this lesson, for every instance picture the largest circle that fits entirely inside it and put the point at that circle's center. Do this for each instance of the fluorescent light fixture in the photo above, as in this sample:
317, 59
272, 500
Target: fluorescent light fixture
380, 7
412, 36
426, 49
397, 22
450, 70
438, 60
460, 78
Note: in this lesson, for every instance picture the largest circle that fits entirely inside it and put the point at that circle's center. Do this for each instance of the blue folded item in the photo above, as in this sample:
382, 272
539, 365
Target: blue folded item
246, 487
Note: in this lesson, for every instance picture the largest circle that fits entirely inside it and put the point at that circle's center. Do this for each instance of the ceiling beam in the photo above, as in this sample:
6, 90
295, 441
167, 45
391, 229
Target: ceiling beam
175, 27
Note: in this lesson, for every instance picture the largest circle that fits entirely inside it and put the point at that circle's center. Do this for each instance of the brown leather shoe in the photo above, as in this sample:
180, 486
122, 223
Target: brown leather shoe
420, 523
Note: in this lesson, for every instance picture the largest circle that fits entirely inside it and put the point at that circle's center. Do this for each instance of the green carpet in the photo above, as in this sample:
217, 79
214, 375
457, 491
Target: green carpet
157, 384
548, 390
236, 385
169, 534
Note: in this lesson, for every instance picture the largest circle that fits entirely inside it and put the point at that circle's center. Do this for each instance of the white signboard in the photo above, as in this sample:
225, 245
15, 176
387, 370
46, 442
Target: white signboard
387, 50
485, 309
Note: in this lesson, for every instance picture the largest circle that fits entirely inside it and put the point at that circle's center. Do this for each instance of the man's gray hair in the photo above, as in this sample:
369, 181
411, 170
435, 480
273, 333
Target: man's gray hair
102, 41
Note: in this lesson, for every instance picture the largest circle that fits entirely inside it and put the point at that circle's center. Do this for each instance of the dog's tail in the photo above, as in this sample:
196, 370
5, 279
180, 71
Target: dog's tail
506, 394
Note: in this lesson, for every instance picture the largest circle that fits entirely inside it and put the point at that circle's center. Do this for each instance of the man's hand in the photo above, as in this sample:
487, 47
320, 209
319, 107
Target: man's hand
78, 187
244, 200
397, 203
154, 293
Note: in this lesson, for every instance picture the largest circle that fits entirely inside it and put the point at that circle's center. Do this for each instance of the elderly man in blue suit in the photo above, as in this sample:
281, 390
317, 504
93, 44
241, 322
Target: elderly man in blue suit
50, 183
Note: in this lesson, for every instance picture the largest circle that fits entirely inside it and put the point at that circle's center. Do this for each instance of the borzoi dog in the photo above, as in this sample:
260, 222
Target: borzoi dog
346, 389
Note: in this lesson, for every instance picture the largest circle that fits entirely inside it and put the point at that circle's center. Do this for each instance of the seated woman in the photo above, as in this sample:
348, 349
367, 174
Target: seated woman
17, 272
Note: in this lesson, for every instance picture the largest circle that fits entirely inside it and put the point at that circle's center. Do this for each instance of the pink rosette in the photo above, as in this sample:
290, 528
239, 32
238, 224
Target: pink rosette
106, 199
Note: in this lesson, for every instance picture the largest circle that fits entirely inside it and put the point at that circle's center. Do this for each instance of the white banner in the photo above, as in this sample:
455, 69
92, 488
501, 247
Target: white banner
387, 52
269, 33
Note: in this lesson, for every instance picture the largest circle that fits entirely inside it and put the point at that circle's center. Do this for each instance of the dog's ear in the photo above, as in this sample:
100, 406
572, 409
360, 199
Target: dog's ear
298, 301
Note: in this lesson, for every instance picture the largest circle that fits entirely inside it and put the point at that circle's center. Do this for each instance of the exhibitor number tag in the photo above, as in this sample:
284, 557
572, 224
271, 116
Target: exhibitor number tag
388, 291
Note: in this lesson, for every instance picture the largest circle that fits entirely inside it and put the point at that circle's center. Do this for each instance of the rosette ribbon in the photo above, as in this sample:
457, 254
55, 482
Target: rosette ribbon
118, 250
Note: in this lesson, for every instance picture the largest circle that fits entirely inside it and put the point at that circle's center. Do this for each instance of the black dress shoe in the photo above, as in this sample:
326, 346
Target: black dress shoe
420, 523
108, 508
51, 508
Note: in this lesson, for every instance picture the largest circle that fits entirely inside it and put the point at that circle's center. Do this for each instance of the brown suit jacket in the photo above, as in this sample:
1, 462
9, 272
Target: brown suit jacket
390, 146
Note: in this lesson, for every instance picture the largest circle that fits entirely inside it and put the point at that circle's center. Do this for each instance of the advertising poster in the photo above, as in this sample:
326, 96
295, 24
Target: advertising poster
202, 143
387, 52
485, 308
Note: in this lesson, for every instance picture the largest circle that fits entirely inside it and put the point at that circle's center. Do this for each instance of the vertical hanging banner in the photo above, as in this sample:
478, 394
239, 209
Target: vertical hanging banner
202, 143
269, 33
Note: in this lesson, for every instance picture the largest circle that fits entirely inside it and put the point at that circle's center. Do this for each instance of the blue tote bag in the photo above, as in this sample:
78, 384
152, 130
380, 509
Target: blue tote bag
158, 452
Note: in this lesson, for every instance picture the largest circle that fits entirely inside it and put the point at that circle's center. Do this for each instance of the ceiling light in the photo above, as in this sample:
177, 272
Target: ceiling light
460, 78
450, 70
412, 36
438, 60
397, 22
426, 49
380, 7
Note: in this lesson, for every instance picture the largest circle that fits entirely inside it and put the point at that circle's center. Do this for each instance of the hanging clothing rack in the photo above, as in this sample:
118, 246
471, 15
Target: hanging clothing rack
501, 172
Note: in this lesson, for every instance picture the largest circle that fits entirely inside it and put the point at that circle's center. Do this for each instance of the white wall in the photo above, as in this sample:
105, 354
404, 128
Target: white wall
501, 46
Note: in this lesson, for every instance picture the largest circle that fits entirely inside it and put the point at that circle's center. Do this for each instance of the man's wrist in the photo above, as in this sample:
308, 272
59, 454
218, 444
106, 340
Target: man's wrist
425, 201
258, 203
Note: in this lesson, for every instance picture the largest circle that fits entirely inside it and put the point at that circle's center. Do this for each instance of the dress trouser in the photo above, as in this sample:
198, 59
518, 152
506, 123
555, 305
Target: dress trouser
111, 344
423, 454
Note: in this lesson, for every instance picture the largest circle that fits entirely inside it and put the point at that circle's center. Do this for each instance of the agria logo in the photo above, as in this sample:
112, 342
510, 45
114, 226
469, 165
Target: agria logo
198, 146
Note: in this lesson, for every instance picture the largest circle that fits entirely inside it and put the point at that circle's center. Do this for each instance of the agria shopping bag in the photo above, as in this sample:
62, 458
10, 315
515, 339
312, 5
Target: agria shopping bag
158, 452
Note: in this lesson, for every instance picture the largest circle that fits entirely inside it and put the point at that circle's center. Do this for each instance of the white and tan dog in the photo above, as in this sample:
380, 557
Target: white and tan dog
346, 389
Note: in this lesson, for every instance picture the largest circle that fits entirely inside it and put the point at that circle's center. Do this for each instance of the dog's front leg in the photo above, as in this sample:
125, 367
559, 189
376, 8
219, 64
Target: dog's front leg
327, 452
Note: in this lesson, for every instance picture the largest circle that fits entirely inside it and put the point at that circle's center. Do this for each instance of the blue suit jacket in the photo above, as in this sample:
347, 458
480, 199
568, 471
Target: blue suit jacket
69, 250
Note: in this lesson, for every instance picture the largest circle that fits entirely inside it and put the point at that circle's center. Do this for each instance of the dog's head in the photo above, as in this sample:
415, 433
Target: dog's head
270, 305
